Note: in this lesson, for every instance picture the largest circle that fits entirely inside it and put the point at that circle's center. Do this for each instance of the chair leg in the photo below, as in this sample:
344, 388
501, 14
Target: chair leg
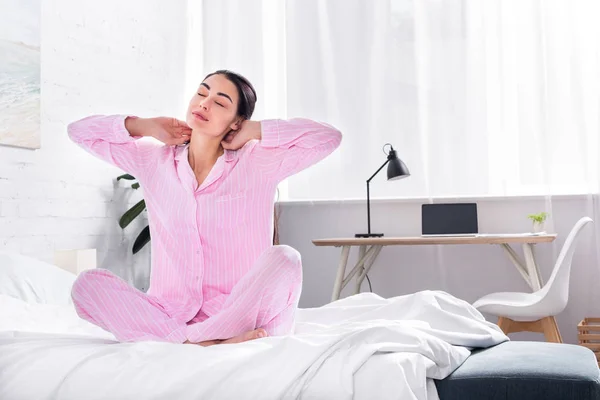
551, 331
546, 325
505, 324
511, 326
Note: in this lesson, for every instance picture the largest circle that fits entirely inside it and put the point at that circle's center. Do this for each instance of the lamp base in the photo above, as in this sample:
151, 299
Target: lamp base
368, 235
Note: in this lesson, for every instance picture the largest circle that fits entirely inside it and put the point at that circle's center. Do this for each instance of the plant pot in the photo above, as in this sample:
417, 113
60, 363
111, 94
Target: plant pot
538, 227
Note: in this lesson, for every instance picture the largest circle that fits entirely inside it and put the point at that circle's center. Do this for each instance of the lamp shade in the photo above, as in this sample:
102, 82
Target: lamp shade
396, 168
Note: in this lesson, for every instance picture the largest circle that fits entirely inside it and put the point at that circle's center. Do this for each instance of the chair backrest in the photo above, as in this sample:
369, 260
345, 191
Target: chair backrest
555, 293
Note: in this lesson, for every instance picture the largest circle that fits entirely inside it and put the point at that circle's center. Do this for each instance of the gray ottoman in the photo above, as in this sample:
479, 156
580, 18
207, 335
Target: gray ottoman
525, 370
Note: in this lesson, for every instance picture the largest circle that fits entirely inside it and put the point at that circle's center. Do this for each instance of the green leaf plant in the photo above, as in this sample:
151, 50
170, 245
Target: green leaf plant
539, 218
143, 237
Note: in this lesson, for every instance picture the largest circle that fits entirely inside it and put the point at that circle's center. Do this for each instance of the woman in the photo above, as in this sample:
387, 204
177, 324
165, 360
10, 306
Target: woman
209, 189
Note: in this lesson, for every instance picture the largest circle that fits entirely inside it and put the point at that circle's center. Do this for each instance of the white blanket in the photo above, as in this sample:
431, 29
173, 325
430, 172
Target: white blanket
361, 347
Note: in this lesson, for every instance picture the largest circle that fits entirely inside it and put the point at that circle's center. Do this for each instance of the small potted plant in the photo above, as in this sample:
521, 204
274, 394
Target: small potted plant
538, 221
131, 214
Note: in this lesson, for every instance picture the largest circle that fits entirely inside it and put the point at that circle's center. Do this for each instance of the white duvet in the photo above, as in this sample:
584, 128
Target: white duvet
361, 347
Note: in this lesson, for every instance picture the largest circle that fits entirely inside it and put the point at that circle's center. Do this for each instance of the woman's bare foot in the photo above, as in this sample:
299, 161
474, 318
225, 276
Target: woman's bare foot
206, 343
244, 337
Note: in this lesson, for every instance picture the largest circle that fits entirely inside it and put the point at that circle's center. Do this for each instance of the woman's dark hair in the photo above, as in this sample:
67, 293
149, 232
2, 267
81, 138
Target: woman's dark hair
246, 92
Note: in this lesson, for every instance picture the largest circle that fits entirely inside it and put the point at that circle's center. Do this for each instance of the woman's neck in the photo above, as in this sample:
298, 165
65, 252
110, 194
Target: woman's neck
204, 151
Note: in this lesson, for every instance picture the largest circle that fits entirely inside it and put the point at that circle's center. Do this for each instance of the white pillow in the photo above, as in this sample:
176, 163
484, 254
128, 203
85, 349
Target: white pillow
34, 281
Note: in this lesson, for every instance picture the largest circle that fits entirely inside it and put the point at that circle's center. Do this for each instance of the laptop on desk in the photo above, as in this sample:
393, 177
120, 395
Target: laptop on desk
449, 219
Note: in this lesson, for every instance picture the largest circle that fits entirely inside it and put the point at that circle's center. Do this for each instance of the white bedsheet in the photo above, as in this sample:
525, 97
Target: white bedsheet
361, 347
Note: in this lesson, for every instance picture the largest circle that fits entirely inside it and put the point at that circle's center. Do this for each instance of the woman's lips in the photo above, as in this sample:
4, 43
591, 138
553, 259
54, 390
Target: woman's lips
200, 116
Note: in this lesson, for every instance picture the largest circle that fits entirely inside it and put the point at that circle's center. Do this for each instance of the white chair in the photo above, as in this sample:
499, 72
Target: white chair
534, 312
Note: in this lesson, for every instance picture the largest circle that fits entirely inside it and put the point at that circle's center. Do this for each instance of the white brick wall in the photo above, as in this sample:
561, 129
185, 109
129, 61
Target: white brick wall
98, 57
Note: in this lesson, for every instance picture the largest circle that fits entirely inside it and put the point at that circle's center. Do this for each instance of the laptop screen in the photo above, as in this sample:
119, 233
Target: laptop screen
449, 219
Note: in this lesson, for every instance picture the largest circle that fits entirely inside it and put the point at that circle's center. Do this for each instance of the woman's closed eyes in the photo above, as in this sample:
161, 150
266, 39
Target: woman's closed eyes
203, 95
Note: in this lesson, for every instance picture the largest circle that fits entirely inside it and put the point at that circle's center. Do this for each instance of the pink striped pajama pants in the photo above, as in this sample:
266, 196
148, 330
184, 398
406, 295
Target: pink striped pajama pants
266, 297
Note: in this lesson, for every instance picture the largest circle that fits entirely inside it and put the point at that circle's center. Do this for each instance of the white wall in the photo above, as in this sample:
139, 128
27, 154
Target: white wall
98, 57
467, 272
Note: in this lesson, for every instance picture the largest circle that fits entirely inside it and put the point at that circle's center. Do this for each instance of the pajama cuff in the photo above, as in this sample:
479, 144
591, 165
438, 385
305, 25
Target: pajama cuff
191, 334
177, 336
119, 134
269, 133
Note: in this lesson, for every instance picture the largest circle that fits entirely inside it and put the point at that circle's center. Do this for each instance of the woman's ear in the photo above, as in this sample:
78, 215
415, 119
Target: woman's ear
237, 124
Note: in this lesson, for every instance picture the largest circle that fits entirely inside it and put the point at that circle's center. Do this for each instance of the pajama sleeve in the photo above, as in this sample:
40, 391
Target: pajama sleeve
107, 138
289, 146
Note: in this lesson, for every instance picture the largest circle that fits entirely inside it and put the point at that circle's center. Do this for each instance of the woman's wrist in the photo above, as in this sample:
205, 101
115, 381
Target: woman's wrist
257, 130
134, 126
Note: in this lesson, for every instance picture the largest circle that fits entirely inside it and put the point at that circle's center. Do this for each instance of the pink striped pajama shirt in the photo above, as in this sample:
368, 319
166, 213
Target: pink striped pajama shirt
215, 272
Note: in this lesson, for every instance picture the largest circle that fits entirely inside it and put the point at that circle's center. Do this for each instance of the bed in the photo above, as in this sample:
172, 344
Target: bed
426, 345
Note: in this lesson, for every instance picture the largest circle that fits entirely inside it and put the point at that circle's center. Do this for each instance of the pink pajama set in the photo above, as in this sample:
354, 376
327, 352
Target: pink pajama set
215, 272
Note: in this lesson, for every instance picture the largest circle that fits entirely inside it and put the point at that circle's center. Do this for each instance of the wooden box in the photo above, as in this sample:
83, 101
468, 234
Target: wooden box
588, 333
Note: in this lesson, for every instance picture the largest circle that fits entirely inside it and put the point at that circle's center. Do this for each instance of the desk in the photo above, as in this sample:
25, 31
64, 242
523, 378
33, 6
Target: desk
369, 249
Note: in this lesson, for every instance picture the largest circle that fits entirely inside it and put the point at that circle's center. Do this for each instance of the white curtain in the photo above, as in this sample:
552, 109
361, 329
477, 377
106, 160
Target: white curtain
478, 97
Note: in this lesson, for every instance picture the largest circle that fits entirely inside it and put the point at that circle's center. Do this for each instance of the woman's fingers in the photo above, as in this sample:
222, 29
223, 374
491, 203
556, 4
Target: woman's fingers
231, 143
177, 128
230, 136
179, 138
226, 142
182, 134
184, 139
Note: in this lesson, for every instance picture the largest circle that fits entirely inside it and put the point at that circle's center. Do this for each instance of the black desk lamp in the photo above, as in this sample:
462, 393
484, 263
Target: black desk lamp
396, 170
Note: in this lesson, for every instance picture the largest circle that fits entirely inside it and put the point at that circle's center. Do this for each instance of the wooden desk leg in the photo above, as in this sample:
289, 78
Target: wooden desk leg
361, 253
367, 267
362, 262
337, 286
532, 268
523, 270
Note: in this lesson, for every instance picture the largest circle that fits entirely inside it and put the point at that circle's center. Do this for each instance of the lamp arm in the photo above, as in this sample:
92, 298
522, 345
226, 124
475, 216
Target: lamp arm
380, 168
369, 195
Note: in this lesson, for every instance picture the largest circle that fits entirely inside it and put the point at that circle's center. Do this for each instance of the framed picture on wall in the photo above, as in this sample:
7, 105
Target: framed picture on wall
20, 73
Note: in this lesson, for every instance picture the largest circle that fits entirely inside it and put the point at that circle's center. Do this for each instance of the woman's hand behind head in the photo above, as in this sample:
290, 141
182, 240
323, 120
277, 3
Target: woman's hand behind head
168, 130
235, 140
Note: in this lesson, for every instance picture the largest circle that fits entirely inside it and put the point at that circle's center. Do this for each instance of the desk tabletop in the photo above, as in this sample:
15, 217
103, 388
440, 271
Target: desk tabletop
428, 240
